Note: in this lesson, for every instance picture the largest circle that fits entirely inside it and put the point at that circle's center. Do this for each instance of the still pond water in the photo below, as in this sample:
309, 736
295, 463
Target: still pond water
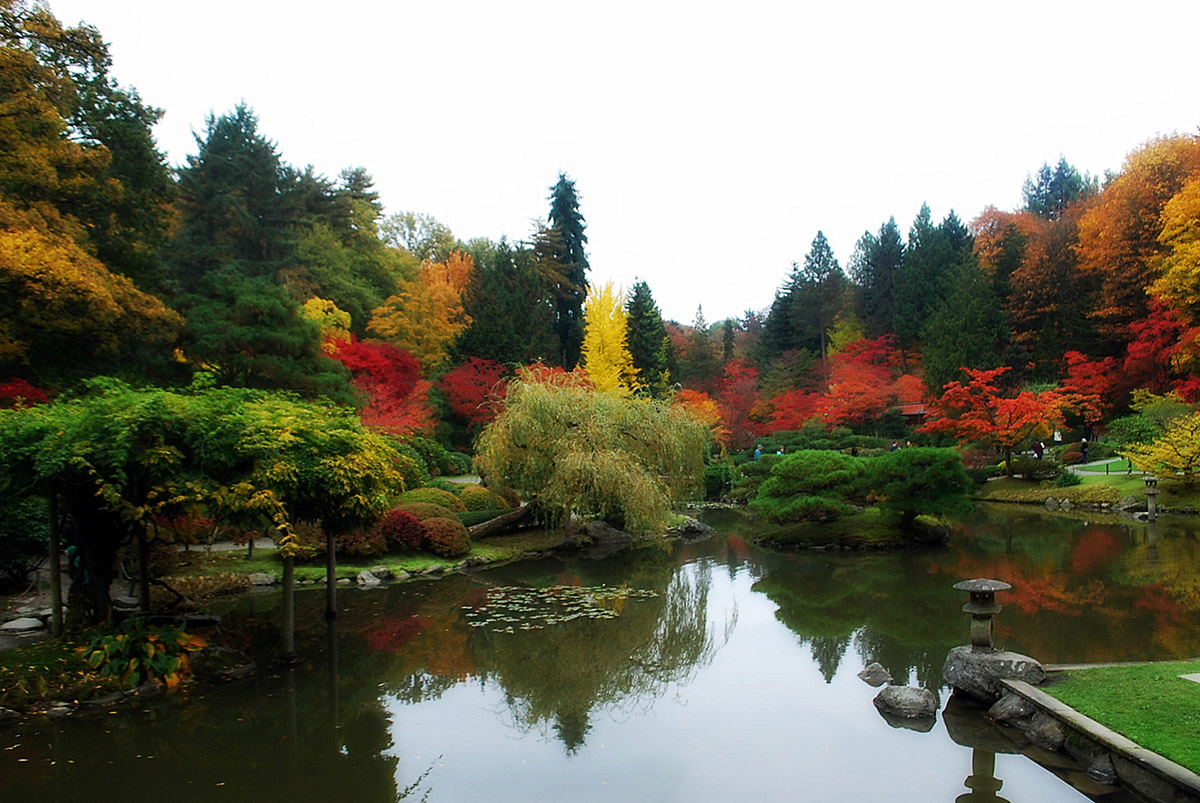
705, 671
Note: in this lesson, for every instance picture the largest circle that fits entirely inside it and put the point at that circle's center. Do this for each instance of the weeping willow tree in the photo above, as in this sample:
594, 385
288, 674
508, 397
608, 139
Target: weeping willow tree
580, 451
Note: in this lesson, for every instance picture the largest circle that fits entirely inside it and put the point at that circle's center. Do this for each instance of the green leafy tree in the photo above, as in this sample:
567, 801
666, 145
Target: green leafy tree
931, 253
581, 452
567, 224
120, 456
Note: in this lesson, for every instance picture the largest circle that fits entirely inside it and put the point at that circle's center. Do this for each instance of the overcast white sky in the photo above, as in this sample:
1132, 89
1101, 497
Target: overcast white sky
708, 141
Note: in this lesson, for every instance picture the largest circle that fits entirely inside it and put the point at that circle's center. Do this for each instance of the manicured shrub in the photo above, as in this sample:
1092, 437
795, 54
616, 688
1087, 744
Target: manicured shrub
423, 511
360, 543
433, 496
718, 479
1031, 468
456, 464
810, 485
476, 497
447, 538
1071, 458
1067, 479
401, 531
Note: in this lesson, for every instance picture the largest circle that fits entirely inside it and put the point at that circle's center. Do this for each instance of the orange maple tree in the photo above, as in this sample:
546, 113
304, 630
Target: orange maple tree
978, 412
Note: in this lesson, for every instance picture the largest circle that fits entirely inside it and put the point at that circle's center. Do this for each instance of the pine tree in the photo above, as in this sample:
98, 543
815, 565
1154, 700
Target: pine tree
1049, 195
568, 225
649, 344
876, 261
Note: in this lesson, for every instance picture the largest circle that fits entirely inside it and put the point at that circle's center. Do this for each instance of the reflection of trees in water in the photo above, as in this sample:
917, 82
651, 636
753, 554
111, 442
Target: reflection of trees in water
885, 603
557, 676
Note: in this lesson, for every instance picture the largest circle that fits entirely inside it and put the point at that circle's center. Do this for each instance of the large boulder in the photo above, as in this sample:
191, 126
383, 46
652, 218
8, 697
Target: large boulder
978, 672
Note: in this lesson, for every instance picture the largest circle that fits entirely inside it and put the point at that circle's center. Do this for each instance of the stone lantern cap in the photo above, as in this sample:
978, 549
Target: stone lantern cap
981, 585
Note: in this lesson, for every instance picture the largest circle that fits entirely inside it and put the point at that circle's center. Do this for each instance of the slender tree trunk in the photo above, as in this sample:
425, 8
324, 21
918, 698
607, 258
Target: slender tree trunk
1008, 461
143, 548
289, 610
331, 610
56, 600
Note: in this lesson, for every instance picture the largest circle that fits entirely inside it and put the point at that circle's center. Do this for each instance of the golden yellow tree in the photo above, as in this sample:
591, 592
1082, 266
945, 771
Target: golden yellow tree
334, 322
426, 316
1180, 279
605, 352
1176, 455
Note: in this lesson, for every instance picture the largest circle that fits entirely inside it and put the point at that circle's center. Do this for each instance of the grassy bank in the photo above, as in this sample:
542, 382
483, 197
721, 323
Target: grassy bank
1095, 488
1149, 704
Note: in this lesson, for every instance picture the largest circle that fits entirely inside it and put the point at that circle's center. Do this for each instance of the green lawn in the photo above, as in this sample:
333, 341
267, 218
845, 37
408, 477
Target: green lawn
1149, 704
1095, 488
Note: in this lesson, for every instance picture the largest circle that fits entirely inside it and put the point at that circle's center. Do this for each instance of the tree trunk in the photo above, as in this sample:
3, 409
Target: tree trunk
56, 600
503, 522
289, 610
331, 610
1008, 461
143, 549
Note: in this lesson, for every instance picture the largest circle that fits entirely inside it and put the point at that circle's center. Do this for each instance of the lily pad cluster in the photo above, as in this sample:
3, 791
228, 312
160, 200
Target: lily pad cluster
509, 609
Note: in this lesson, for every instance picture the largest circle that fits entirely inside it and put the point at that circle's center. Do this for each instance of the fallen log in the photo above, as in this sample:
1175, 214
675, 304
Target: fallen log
503, 521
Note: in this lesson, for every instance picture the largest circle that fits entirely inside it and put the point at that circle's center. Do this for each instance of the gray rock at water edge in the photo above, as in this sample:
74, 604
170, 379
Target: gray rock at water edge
1128, 503
691, 526
263, 579
126, 603
1047, 732
1066, 505
908, 702
1011, 708
368, 579
343, 581
382, 572
875, 675
435, 568
978, 672
401, 575
26, 624
1051, 503
8, 716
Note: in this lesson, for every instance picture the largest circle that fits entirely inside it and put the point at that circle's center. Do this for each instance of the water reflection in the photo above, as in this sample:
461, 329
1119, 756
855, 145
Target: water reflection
738, 657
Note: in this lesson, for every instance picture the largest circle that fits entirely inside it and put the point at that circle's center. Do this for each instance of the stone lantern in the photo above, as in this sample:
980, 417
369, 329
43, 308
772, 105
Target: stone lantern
1151, 496
982, 606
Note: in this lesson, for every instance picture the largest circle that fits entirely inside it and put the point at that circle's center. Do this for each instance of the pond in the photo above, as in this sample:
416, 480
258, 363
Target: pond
704, 671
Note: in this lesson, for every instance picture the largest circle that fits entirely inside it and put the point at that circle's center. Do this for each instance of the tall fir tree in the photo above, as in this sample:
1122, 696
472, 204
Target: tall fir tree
568, 225
876, 261
649, 344
1053, 190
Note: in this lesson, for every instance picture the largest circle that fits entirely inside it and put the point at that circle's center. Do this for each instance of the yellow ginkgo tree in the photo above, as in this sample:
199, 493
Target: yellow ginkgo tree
606, 354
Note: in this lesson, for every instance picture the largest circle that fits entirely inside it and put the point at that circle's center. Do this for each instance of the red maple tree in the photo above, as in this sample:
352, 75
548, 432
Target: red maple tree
979, 412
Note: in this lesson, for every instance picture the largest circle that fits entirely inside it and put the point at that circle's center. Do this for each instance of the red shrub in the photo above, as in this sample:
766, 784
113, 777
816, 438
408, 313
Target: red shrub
447, 538
401, 531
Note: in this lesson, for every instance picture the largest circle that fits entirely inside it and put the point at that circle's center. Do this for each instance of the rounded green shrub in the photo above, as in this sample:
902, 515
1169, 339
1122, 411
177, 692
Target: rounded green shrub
447, 538
443, 484
476, 497
423, 511
433, 496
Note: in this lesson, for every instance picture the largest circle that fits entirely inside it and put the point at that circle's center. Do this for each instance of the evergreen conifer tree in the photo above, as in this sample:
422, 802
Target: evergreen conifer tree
568, 225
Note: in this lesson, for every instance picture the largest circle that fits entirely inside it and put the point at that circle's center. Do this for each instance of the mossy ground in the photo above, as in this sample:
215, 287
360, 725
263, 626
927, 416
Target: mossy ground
1149, 704
49, 670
